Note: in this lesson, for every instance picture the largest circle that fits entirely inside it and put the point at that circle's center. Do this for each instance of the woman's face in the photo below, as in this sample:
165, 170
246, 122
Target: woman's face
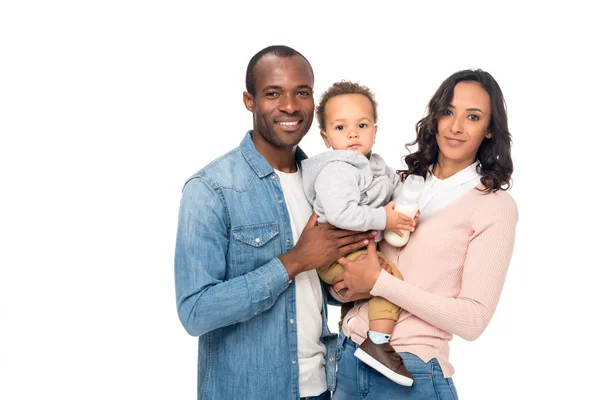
464, 125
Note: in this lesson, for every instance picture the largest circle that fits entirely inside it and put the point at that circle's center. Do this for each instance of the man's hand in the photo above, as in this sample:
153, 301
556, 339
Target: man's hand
320, 245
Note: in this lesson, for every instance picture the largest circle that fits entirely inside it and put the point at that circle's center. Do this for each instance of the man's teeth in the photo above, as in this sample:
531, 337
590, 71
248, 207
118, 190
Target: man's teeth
288, 123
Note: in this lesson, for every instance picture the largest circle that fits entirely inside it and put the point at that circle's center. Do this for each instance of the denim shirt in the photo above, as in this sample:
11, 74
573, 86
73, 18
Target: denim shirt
232, 290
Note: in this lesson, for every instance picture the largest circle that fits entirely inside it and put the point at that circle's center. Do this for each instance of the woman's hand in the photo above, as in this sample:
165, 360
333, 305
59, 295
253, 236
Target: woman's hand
342, 291
359, 275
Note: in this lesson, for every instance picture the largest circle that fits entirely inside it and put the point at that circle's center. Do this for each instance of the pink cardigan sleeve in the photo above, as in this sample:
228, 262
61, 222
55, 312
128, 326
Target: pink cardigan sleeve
484, 273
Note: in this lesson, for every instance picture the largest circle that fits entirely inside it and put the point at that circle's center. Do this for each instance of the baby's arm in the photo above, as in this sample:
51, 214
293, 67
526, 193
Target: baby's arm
338, 193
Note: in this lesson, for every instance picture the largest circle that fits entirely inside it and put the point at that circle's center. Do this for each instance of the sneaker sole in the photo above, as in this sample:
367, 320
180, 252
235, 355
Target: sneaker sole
379, 367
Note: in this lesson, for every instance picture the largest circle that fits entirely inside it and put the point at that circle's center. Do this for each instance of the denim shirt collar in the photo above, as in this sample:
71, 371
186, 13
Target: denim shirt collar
257, 161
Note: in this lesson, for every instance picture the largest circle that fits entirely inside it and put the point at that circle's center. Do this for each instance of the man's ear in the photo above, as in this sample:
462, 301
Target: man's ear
325, 139
249, 101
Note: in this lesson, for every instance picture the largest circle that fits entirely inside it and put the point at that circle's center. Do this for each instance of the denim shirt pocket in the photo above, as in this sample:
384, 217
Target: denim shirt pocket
254, 246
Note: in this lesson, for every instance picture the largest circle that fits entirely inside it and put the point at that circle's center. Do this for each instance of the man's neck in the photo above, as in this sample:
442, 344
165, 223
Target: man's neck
283, 162
281, 159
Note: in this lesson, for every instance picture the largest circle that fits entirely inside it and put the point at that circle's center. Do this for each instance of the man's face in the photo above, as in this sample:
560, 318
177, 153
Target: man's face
283, 106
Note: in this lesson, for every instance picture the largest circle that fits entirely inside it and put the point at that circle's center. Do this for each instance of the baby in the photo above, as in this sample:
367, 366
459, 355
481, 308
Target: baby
352, 188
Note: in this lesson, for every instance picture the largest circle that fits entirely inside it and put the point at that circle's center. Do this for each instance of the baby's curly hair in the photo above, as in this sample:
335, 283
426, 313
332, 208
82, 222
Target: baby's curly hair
344, 87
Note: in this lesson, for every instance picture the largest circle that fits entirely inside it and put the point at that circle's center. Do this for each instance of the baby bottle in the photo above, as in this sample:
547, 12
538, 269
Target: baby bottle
407, 204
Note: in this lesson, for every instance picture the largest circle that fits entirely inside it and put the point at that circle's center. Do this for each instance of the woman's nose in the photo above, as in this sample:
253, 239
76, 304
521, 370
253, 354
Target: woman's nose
457, 126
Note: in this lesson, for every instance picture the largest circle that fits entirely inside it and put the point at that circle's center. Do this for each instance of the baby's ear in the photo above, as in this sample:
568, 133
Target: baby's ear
375, 132
325, 139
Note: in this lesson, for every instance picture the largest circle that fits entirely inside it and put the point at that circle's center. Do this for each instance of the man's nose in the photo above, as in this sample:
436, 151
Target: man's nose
288, 103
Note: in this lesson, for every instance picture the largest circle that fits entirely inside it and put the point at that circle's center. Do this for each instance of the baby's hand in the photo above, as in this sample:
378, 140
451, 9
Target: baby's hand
396, 221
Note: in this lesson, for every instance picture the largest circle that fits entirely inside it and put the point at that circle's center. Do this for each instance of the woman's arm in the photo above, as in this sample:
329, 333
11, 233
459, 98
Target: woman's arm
484, 273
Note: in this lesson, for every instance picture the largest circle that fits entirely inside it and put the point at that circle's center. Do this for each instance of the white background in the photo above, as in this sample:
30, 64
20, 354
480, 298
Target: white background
107, 107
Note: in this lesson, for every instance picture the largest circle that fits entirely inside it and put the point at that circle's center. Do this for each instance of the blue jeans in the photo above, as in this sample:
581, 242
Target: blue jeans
326, 395
356, 380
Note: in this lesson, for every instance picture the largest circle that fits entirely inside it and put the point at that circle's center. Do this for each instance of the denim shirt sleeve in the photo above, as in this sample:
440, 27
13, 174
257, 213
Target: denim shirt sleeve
206, 298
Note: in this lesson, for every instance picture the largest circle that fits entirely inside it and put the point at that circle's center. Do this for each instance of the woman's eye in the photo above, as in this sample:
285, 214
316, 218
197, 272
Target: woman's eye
446, 112
473, 117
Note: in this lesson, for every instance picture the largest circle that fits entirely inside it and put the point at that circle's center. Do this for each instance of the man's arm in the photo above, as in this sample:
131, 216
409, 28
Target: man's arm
205, 299
322, 244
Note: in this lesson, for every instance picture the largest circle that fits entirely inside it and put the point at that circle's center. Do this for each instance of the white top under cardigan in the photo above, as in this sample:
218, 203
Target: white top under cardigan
439, 193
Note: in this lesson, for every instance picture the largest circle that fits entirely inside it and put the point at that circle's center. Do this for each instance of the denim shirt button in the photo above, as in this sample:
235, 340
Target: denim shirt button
291, 320
294, 362
280, 201
289, 241
331, 359
257, 240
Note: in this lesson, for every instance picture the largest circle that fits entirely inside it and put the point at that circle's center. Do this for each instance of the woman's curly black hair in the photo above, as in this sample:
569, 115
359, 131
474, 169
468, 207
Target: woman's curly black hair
495, 162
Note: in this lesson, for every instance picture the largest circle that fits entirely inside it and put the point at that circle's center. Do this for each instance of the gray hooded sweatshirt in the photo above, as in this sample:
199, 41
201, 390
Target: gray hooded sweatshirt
349, 190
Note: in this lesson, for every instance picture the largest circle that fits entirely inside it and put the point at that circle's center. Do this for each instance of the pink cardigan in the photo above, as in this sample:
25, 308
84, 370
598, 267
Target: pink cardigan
454, 266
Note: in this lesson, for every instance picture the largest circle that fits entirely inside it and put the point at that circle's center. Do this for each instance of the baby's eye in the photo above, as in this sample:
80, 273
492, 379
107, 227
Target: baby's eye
363, 126
339, 127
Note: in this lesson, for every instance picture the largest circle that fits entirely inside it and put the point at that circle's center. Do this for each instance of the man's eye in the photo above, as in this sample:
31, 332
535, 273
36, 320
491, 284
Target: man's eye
339, 127
304, 93
271, 94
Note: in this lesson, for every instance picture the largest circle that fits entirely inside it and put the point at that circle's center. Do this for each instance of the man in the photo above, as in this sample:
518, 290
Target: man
245, 257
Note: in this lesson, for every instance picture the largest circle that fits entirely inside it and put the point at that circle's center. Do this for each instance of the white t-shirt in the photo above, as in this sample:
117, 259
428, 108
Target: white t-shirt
309, 299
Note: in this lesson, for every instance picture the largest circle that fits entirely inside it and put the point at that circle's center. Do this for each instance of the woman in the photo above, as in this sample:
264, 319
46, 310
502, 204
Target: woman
455, 263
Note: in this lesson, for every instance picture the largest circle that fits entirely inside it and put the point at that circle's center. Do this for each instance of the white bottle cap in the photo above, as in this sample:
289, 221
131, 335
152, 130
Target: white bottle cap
412, 188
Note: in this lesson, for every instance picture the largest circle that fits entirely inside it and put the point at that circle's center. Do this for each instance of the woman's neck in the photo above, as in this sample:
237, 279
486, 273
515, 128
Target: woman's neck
444, 169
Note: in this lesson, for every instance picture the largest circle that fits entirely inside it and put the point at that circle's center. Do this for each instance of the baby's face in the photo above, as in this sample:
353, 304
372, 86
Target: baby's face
349, 123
